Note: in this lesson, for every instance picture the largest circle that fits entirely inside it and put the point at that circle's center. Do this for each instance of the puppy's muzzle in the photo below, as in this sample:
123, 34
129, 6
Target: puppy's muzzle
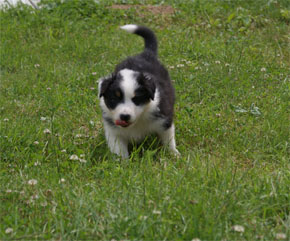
124, 120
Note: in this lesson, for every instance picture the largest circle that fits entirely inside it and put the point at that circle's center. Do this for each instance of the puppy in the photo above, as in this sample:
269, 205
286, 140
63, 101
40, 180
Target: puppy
137, 99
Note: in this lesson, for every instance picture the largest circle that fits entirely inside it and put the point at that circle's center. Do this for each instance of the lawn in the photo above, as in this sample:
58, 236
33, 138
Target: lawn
230, 64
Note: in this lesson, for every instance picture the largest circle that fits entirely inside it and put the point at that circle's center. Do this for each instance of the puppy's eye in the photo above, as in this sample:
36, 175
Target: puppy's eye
118, 93
140, 99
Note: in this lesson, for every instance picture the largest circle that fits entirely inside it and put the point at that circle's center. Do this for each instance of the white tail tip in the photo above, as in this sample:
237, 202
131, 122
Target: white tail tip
131, 28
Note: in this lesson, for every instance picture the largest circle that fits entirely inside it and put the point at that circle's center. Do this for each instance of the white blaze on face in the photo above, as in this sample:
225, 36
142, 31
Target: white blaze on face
129, 83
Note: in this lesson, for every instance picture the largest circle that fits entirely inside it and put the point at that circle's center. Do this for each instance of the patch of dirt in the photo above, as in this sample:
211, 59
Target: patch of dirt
156, 10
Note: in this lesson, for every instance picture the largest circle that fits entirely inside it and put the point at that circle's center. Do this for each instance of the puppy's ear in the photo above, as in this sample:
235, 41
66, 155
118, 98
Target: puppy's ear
147, 80
104, 84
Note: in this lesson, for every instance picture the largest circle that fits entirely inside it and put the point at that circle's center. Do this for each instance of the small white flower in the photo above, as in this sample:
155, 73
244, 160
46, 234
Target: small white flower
206, 64
263, 69
63, 151
171, 67
281, 236
218, 62
218, 115
44, 204
62, 180
32, 182
74, 157
33, 197
227, 64
92, 88
8, 230
143, 217
92, 123
196, 239
78, 136
94, 73
197, 68
37, 163
29, 201
36, 143
156, 212
47, 131
48, 88
83, 160
36, 65
239, 228
180, 65
8, 191
43, 118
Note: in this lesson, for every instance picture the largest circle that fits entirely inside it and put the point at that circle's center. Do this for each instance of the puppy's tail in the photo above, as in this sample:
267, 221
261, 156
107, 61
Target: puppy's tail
146, 33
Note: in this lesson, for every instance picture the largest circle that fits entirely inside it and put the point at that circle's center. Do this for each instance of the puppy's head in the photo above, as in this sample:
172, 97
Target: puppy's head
125, 95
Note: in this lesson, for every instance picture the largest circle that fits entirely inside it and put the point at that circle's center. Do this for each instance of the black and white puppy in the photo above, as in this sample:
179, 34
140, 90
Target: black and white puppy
137, 99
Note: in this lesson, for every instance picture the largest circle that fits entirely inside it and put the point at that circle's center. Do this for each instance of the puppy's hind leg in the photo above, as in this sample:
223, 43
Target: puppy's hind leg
168, 139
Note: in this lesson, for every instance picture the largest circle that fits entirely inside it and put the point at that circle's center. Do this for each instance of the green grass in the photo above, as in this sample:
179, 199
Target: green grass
230, 64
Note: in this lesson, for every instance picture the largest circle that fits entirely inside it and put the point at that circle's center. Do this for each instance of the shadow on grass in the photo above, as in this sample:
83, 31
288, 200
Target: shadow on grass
151, 145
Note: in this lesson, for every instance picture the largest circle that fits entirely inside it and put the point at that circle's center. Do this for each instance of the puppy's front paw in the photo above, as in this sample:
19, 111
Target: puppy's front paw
175, 152
120, 151
117, 145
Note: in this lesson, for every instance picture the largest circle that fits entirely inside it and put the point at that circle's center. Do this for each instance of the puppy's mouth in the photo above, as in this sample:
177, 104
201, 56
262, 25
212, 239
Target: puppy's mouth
122, 123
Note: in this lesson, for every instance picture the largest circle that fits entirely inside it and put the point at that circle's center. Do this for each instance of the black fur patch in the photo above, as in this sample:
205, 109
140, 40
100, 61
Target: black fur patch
167, 119
147, 82
110, 89
141, 97
106, 82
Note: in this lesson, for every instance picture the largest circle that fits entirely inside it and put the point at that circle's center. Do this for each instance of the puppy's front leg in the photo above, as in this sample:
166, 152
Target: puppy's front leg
119, 147
117, 144
168, 139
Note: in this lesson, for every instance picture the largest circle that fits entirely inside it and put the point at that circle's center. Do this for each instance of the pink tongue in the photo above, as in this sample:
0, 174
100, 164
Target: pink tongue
121, 123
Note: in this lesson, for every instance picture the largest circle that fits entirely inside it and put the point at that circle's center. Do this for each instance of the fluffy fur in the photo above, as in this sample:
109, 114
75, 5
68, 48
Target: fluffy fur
137, 99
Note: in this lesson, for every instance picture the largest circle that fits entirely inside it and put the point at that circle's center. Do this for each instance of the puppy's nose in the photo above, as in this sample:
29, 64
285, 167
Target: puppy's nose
125, 117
